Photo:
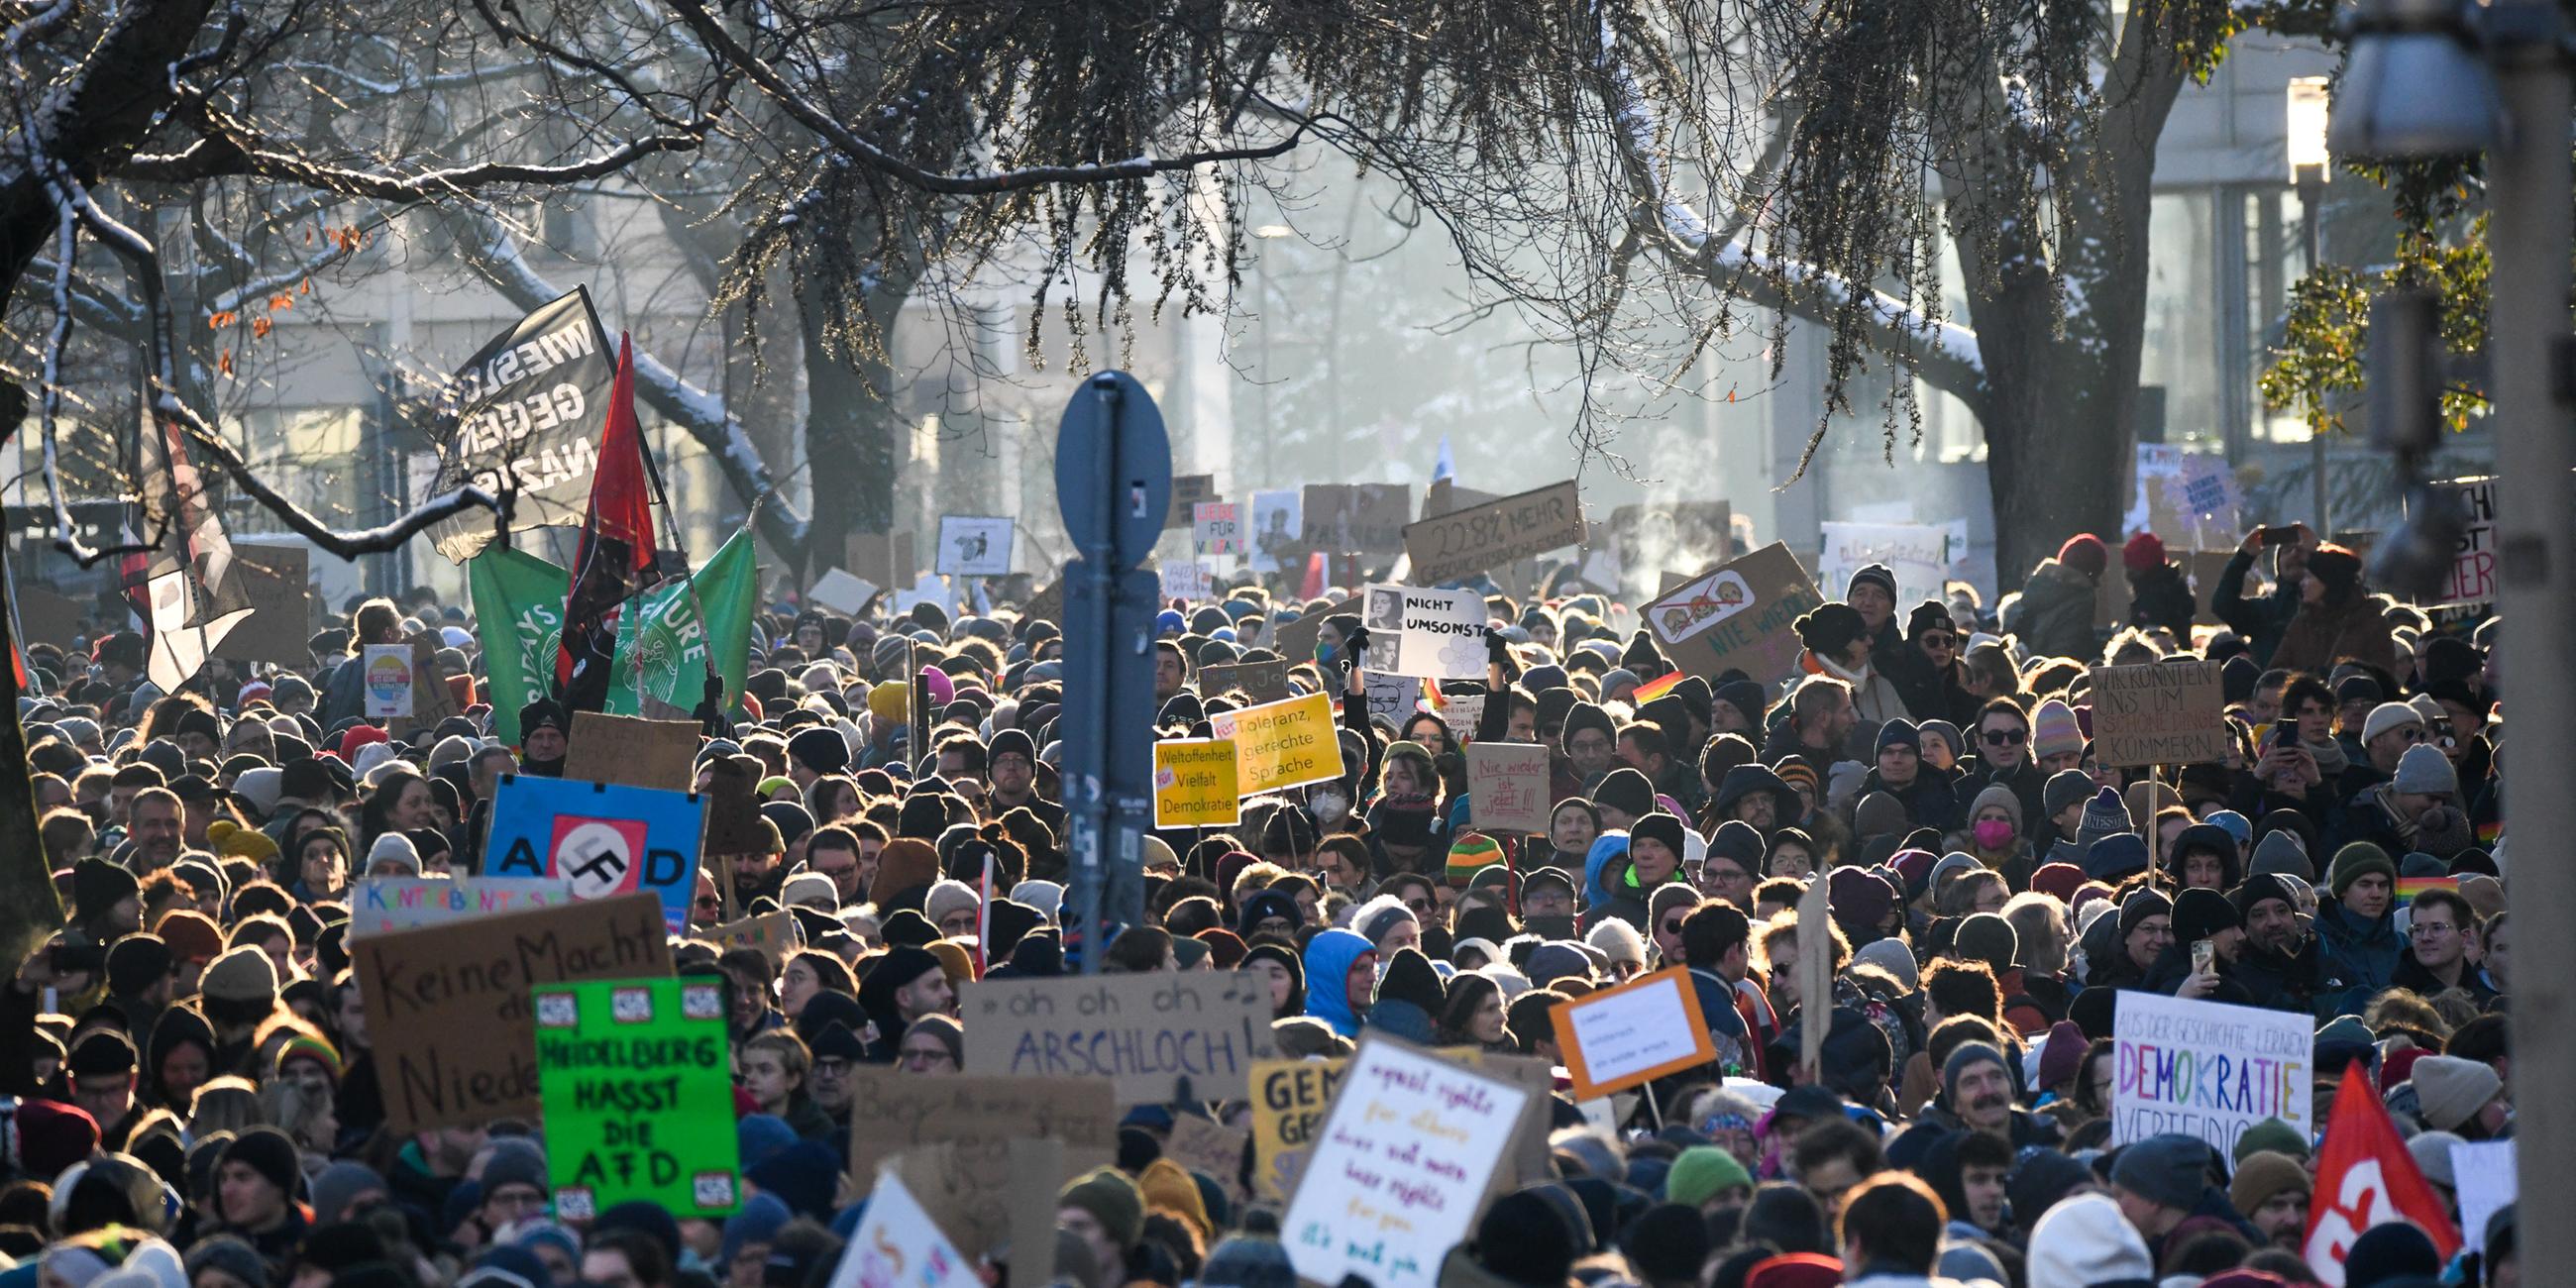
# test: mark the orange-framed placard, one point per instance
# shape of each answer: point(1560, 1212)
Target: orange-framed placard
point(1620, 1037)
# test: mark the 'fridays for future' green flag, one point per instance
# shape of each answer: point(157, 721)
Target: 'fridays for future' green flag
point(662, 646)
point(519, 608)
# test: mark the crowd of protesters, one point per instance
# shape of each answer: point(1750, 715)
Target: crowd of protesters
point(193, 1100)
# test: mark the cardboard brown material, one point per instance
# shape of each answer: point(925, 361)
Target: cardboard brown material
point(1741, 615)
point(1483, 537)
point(633, 751)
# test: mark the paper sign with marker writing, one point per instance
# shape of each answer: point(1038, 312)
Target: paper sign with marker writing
point(2486, 1182)
point(898, 1245)
point(1281, 744)
point(1400, 1171)
point(1438, 634)
point(1740, 615)
point(1195, 783)
point(1146, 1032)
point(1289, 1098)
point(775, 934)
point(638, 1090)
point(1918, 554)
point(1635, 1033)
point(973, 546)
point(2158, 713)
point(1215, 529)
point(381, 904)
point(1507, 786)
point(892, 1111)
point(1190, 579)
point(2207, 1069)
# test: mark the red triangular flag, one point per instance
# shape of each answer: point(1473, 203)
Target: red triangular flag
point(1314, 587)
point(616, 559)
point(2367, 1178)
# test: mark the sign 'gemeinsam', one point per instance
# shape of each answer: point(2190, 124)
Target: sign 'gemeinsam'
point(1145, 1032)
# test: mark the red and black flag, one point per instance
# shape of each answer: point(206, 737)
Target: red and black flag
point(616, 559)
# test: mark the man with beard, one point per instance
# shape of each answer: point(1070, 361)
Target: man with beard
point(544, 735)
point(2271, 1192)
point(1820, 721)
point(2277, 964)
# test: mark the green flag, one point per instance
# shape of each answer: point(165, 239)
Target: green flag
point(663, 647)
point(519, 609)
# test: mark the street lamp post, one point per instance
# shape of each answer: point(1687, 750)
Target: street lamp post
point(2430, 79)
point(2310, 166)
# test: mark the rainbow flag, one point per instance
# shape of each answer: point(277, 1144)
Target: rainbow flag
point(2409, 887)
point(1654, 689)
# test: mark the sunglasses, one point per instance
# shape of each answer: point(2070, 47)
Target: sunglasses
point(1939, 641)
point(2004, 737)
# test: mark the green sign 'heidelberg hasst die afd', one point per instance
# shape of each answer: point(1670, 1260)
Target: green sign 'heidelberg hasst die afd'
point(638, 1096)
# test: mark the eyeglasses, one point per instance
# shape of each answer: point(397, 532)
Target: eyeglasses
point(1418, 904)
point(2422, 929)
point(1937, 640)
point(2004, 737)
point(1673, 927)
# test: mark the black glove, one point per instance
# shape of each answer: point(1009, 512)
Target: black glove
point(1355, 645)
point(1497, 649)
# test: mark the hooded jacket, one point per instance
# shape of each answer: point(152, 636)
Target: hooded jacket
point(2161, 596)
point(2259, 620)
point(2318, 636)
point(2054, 616)
point(1329, 956)
point(2356, 959)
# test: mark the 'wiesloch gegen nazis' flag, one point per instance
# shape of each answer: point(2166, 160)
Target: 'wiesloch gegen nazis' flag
point(524, 415)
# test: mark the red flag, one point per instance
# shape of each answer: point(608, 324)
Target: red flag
point(615, 560)
point(2367, 1178)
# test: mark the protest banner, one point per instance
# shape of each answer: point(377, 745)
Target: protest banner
point(2472, 580)
point(1919, 556)
point(1635, 1033)
point(1478, 538)
point(670, 638)
point(892, 1112)
point(1190, 579)
point(1259, 681)
point(388, 680)
point(1434, 634)
point(899, 1245)
point(1288, 1102)
point(1298, 639)
point(1741, 615)
point(841, 592)
point(378, 905)
point(1507, 787)
point(1368, 518)
point(522, 417)
point(973, 546)
point(638, 1094)
point(1400, 1170)
point(607, 839)
point(278, 582)
point(775, 934)
point(447, 1005)
point(2158, 713)
point(1390, 697)
point(1215, 528)
point(2207, 1069)
point(1281, 744)
point(632, 751)
point(1278, 530)
point(1146, 1032)
point(1195, 783)
point(1188, 490)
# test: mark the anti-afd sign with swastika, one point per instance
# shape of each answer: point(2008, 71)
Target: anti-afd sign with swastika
point(605, 838)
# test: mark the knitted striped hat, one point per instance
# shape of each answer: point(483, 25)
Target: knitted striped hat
point(1470, 852)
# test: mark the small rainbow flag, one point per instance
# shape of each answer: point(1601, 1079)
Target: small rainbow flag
point(2409, 887)
point(1654, 689)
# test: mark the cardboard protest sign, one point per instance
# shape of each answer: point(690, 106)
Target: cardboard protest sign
point(2158, 713)
point(775, 934)
point(881, 557)
point(1209, 1148)
point(1463, 713)
point(1435, 634)
point(1635, 1033)
point(987, 1214)
point(1195, 781)
point(1281, 744)
point(388, 680)
point(1188, 490)
point(431, 699)
point(378, 905)
point(892, 1112)
point(1259, 681)
point(606, 839)
point(2207, 1069)
point(841, 592)
point(1507, 786)
point(638, 1093)
point(1525, 1162)
point(973, 546)
point(1918, 554)
point(899, 1245)
point(2472, 580)
point(1401, 1168)
point(1215, 528)
point(1472, 540)
point(632, 751)
point(1145, 1032)
point(1741, 615)
point(1364, 517)
point(1288, 1102)
point(733, 812)
point(447, 1005)
point(1297, 639)
point(278, 582)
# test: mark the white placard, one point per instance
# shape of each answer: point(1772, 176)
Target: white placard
point(1624, 1032)
point(1391, 697)
point(971, 546)
point(1215, 528)
point(1188, 579)
point(842, 592)
point(1398, 1169)
point(1278, 528)
point(2486, 1182)
point(898, 1245)
point(388, 680)
point(1918, 554)
point(378, 905)
point(2207, 1069)
point(1437, 634)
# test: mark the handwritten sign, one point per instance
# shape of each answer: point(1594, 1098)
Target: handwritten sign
point(1469, 541)
point(448, 1010)
point(1391, 697)
point(1259, 681)
point(1194, 783)
point(973, 546)
point(1438, 634)
point(1214, 528)
point(2158, 713)
point(775, 934)
point(1145, 1032)
point(2207, 1069)
point(2486, 1182)
point(381, 904)
point(1919, 556)
point(892, 1112)
point(1281, 744)
point(1341, 518)
point(638, 1091)
point(1187, 579)
point(388, 680)
point(1402, 1164)
point(1188, 490)
point(1507, 786)
point(1619, 1037)
point(2473, 563)
point(633, 751)
point(1741, 615)
point(1288, 1102)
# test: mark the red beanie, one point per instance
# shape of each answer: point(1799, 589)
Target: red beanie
point(52, 1136)
point(355, 737)
point(2145, 551)
point(2084, 552)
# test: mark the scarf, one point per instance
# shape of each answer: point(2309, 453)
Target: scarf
point(2329, 755)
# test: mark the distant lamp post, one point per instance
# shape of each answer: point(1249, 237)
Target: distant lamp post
point(2304, 123)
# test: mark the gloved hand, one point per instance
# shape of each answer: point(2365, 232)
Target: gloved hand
point(1497, 649)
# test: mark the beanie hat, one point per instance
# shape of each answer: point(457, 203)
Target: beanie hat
point(2199, 913)
point(1472, 852)
point(1879, 814)
point(2054, 730)
point(2354, 860)
point(2168, 1169)
point(1988, 938)
point(244, 974)
point(191, 935)
point(2105, 815)
point(1899, 732)
point(1532, 1235)
point(137, 962)
point(1962, 1057)
point(2115, 856)
point(2394, 1253)
point(1891, 956)
point(2338, 567)
point(102, 1050)
point(1830, 629)
point(1244, 1261)
point(2143, 553)
point(230, 1255)
point(2061, 1056)
point(1616, 939)
point(2085, 1240)
point(98, 885)
point(2451, 1090)
point(267, 1151)
point(2425, 771)
point(2272, 1135)
point(52, 1136)
point(1166, 1184)
point(2387, 716)
point(2085, 553)
point(339, 1186)
point(1998, 794)
point(1660, 827)
point(2064, 788)
point(2281, 853)
point(2142, 903)
point(1701, 1173)
point(2059, 881)
point(1627, 791)
point(2262, 1174)
point(1111, 1199)
point(1876, 574)
point(2432, 1153)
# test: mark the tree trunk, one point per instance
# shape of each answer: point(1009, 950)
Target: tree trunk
point(851, 422)
point(30, 910)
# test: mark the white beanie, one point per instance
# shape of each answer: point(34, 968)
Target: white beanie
point(452, 749)
point(260, 786)
point(1045, 896)
point(1619, 941)
point(394, 847)
point(948, 896)
point(2085, 1240)
point(372, 755)
point(810, 890)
